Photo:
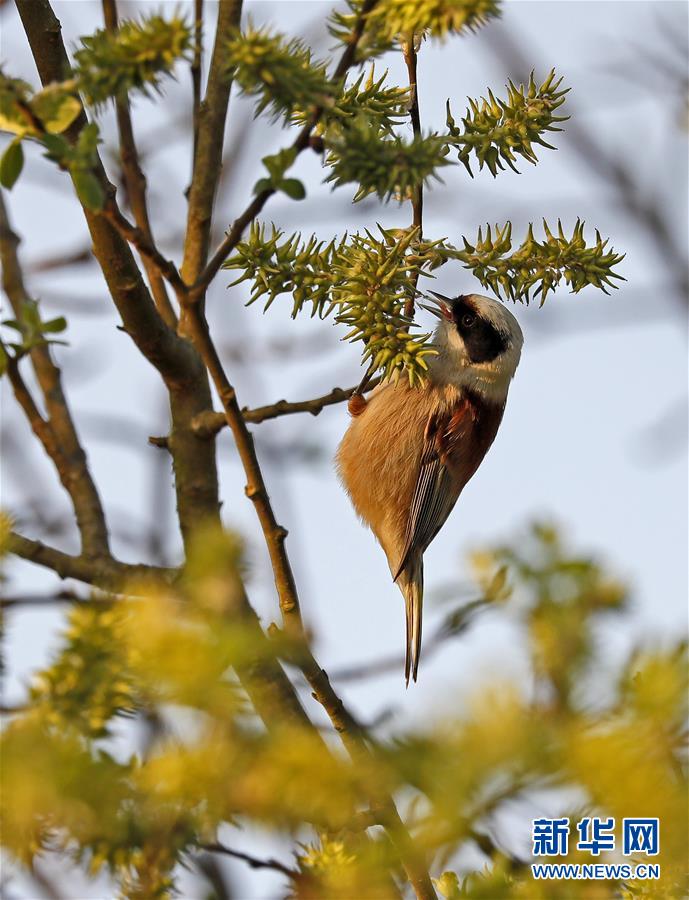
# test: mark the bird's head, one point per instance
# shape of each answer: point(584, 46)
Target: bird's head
point(479, 343)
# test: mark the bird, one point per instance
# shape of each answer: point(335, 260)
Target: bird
point(409, 451)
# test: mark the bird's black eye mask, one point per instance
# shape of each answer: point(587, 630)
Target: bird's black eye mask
point(481, 339)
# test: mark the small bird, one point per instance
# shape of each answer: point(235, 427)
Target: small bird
point(409, 452)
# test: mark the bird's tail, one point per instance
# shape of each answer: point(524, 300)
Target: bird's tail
point(411, 585)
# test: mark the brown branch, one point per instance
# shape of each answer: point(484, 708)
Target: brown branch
point(255, 486)
point(135, 181)
point(276, 697)
point(33, 601)
point(302, 142)
point(209, 423)
point(383, 808)
point(353, 735)
point(410, 58)
point(158, 343)
point(58, 435)
point(141, 238)
point(253, 861)
point(212, 115)
point(12, 709)
point(194, 462)
point(100, 571)
point(70, 469)
point(195, 67)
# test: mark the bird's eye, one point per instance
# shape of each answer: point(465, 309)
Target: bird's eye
point(468, 320)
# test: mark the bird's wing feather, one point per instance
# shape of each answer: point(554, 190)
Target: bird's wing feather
point(435, 493)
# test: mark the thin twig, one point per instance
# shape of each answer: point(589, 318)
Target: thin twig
point(143, 242)
point(31, 601)
point(12, 709)
point(105, 571)
point(135, 181)
point(353, 735)
point(256, 490)
point(302, 142)
point(410, 58)
point(209, 423)
point(196, 64)
point(252, 861)
point(58, 434)
point(212, 116)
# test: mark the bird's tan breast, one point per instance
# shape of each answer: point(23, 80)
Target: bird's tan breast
point(380, 454)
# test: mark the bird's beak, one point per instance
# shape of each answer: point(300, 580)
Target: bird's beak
point(442, 307)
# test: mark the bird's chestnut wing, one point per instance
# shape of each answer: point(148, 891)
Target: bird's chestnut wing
point(436, 491)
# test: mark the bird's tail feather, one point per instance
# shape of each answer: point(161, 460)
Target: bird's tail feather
point(412, 588)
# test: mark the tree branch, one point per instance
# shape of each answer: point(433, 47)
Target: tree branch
point(209, 423)
point(410, 58)
point(196, 64)
point(253, 861)
point(141, 238)
point(302, 142)
point(274, 534)
point(194, 463)
point(58, 435)
point(100, 571)
point(135, 181)
point(353, 735)
point(212, 115)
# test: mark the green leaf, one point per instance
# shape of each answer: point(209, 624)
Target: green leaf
point(278, 163)
point(133, 58)
point(57, 147)
point(14, 97)
point(54, 326)
point(89, 190)
point(293, 188)
point(11, 164)
point(263, 184)
point(4, 360)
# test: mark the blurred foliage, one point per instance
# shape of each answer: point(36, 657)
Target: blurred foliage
point(391, 21)
point(133, 58)
point(32, 330)
point(279, 71)
point(615, 734)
